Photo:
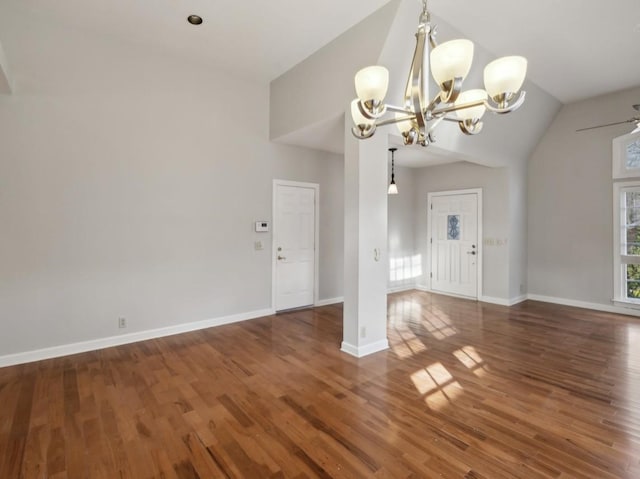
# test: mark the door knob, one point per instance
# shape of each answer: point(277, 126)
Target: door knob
point(281, 257)
point(471, 252)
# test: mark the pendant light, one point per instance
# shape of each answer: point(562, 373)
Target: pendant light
point(393, 189)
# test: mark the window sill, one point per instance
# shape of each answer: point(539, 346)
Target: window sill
point(624, 303)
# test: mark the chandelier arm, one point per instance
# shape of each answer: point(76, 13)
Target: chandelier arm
point(470, 127)
point(452, 89)
point(413, 95)
point(371, 115)
point(398, 109)
point(435, 124)
point(363, 133)
point(392, 121)
point(432, 36)
point(433, 105)
point(462, 106)
point(514, 106)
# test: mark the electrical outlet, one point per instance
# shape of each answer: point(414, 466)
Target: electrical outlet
point(363, 332)
point(122, 323)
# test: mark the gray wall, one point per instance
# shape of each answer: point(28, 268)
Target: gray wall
point(517, 240)
point(129, 184)
point(570, 201)
point(494, 184)
point(404, 264)
point(318, 88)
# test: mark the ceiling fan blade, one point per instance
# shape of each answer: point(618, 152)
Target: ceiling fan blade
point(608, 124)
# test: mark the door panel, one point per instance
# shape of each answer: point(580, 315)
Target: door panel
point(454, 244)
point(294, 237)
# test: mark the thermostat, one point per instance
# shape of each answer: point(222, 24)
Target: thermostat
point(262, 226)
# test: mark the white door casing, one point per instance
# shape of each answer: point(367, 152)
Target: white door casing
point(295, 239)
point(454, 219)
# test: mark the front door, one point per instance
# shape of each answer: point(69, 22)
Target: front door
point(454, 243)
point(294, 241)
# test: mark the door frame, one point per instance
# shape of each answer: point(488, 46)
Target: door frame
point(274, 253)
point(478, 192)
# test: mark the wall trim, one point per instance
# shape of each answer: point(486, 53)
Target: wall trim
point(518, 299)
point(327, 302)
point(422, 287)
point(502, 301)
point(361, 351)
point(585, 305)
point(96, 344)
point(492, 300)
point(400, 289)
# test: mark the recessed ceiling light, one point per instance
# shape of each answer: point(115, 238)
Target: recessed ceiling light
point(194, 19)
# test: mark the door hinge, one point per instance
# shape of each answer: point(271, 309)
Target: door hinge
point(430, 275)
point(431, 205)
point(431, 240)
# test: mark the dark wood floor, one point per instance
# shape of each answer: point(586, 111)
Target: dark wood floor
point(467, 390)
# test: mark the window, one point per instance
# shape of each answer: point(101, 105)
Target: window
point(626, 234)
point(632, 159)
point(627, 243)
point(626, 156)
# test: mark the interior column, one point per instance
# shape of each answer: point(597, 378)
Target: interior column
point(365, 243)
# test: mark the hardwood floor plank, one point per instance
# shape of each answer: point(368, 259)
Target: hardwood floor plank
point(466, 390)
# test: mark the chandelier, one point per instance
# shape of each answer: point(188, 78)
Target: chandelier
point(449, 63)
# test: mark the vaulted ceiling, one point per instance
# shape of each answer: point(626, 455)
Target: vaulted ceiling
point(576, 49)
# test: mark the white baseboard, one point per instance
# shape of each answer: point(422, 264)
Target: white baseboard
point(361, 351)
point(586, 305)
point(400, 289)
point(422, 287)
point(492, 300)
point(517, 300)
point(95, 344)
point(327, 302)
point(502, 301)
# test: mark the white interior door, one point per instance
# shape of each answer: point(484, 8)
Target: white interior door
point(294, 242)
point(454, 244)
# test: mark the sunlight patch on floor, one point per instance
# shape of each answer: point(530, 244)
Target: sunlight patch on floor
point(408, 345)
point(437, 385)
point(447, 395)
point(472, 360)
point(438, 324)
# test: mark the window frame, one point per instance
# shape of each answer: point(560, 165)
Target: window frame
point(620, 260)
point(620, 145)
point(631, 182)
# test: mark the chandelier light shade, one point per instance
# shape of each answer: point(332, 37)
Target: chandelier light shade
point(471, 96)
point(449, 63)
point(450, 60)
point(393, 188)
point(505, 75)
point(403, 122)
point(372, 83)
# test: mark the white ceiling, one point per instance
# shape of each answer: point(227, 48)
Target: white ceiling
point(576, 48)
point(252, 38)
